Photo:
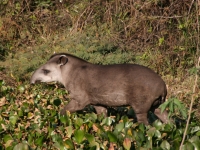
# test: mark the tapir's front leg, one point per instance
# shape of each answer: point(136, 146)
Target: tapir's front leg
point(74, 106)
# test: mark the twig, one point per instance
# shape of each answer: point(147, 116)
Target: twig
point(190, 7)
point(190, 110)
point(196, 78)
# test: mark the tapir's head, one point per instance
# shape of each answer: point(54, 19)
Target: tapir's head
point(51, 71)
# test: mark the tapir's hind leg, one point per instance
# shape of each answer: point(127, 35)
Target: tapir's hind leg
point(163, 116)
point(141, 112)
point(101, 110)
point(142, 118)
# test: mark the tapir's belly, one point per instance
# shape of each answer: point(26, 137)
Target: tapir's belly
point(109, 99)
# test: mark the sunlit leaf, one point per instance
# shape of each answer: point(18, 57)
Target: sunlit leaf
point(21, 89)
point(7, 137)
point(107, 121)
point(79, 135)
point(188, 146)
point(21, 146)
point(195, 140)
point(119, 127)
point(151, 132)
point(13, 119)
point(78, 122)
point(165, 145)
point(69, 144)
point(157, 124)
point(195, 129)
point(69, 131)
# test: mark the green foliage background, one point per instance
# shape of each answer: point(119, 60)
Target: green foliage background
point(160, 34)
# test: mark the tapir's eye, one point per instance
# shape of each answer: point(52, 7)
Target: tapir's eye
point(46, 71)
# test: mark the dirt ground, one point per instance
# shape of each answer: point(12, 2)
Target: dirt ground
point(9, 80)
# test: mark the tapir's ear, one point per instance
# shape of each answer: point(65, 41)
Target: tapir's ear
point(63, 60)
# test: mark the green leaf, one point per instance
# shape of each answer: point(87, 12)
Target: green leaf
point(142, 127)
point(21, 146)
point(7, 137)
point(195, 142)
point(157, 134)
point(69, 131)
point(177, 102)
point(20, 113)
point(188, 146)
point(65, 119)
point(8, 141)
point(79, 135)
point(39, 141)
point(56, 138)
point(89, 137)
point(183, 112)
point(59, 145)
point(164, 105)
point(78, 122)
point(195, 129)
point(21, 88)
point(13, 119)
point(157, 124)
point(119, 127)
point(90, 117)
point(151, 132)
point(198, 133)
point(128, 124)
point(141, 136)
point(171, 107)
point(69, 144)
point(30, 138)
point(107, 121)
point(165, 145)
point(168, 128)
point(111, 136)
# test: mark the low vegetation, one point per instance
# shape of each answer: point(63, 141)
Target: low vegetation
point(30, 120)
point(160, 34)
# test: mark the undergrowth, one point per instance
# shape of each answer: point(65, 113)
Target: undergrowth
point(160, 34)
point(29, 120)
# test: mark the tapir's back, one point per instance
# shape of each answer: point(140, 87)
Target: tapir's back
point(119, 84)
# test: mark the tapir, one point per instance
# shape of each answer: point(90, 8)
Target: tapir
point(105, 85)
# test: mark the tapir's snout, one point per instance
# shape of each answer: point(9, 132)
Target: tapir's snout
point(35, 79)
point(32, 81)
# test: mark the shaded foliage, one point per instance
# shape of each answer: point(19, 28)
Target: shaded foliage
point(161, 34)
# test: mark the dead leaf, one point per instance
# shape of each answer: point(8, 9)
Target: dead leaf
point(2, 101)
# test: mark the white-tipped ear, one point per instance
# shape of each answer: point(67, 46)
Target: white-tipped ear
point(62, 60)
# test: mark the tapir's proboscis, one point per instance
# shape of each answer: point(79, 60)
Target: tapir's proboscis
point(105, 85)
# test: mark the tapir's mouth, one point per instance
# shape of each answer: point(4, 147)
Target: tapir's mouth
point(40, 81)
point(52, 82)
point(35, 82)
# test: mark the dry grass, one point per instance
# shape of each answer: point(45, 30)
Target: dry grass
point(161, 34)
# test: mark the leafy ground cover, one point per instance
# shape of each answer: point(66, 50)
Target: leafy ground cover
point(161, 34)
point(30, 120)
